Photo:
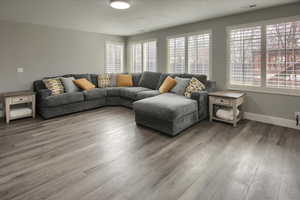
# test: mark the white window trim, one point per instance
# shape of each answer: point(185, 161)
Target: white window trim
point(262, 88)
point(123, 52)
point(186, 35)
point(130, 44)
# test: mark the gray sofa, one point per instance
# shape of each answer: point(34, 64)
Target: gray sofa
point(168, 113)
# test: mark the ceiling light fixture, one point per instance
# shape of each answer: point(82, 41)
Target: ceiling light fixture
point(120, 4)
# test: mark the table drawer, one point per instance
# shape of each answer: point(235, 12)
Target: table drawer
point(222, 101)
point(21, 99)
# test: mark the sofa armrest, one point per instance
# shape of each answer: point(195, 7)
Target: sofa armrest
point(211, 86)
point(43, 94)
point(202, 101)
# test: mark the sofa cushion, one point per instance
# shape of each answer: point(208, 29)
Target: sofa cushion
point(131, 92)
point(96, 93)
point(149, 80)
point(62, 99)
point(113, 91)
point(167, 106)
point(162, 78)
point(194, 86)
point(147, 94)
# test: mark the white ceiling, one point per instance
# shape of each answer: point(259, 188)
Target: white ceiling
point(143, 16)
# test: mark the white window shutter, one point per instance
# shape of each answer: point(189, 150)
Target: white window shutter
point(283, 55)
point(136, 56)
point(114, 57)
point(149, 56)
point(176, 54)
point(245, 56)
point(198, 54)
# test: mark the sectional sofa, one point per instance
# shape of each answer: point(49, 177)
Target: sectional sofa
point(169, 113)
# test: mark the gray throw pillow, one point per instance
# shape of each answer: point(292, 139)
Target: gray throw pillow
point(181, 84)
point(69, 84)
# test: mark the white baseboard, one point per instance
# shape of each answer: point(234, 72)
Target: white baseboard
point(271, 120)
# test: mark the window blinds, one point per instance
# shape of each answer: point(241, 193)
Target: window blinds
point(283, 55)
point(149, 56)
point(114, 57)
point(245, 56)
point(176, 54)
point(198, 54)
point(137, 58)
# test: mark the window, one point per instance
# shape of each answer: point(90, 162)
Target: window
point(136, 53)
point(114, 57)
point(198, 54)
point(149, 55)
point(143, 56)
point(189, 53)
point(176, 54)
point(266, 56)
point(283, 55)
point(245, 56)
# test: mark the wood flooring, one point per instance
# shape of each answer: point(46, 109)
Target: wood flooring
point(102, 155)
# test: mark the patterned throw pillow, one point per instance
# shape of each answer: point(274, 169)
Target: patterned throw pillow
point(54, 85)
point(194, 86)
point(104, 80)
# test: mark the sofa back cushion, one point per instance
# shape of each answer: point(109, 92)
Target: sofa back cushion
point(136, 77)
point(150, 80)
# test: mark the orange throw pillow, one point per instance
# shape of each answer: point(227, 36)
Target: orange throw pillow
point(124, 80)
point(84, 84)
point(167, 85)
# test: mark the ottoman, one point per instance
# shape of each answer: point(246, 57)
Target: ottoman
point(168, 113)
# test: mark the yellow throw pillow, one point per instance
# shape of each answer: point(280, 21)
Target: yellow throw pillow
point(54, 85)
point(167, 85)
point(84, 84)
point(124, 80)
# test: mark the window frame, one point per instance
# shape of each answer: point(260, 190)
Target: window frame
point(130, 44)
point(263, 88)
point(186, 36)
point(122, 55)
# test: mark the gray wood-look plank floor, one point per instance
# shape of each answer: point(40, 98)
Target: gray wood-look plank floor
point(102, 154)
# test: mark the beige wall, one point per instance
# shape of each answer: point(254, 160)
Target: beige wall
point(267, 104)
point(46, 51)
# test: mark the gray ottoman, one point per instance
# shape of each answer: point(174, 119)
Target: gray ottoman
point(169, 113)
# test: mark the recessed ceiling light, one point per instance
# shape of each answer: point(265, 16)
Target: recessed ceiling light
point(120, 4)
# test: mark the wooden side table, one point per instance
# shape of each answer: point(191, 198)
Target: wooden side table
point(26, 105)
point(230, 99)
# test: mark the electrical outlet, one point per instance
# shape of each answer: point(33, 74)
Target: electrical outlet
point(20, 70)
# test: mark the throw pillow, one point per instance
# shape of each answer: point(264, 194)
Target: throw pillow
point(167, 85)
point(194, 86)
point(84, 84)
point(124, 80)
point(69, 84)
point(54, 85)
point(181, 85)
point(104, 80)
